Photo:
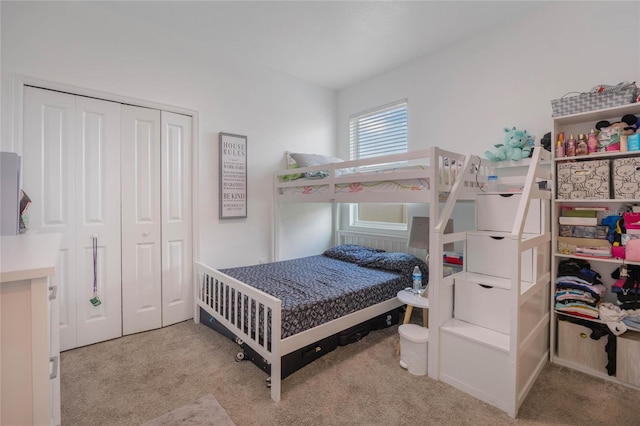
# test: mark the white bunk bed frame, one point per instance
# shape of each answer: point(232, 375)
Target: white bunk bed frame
point(459, 178)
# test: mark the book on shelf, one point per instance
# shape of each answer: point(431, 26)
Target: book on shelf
point(585, 242)
point(585, 210)
point(579, 246)
point(571, 212)
point(582, 221)
point(593, 251)
point(597, 209)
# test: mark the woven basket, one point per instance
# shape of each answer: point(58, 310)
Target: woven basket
point(591, 101)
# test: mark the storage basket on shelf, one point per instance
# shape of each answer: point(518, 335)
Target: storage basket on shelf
point(588, 180)
point(618, 95)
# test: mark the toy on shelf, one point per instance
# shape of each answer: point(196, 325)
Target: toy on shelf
point(517, 145)
point(612, 136)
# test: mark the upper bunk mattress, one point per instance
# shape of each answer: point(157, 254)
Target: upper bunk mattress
point(383, 184)
point(317, 289)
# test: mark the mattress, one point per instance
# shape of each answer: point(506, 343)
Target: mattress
point(317, 289)
point(316, 186)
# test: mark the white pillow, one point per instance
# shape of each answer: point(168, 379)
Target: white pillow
point(308, 160)
point(290, 163)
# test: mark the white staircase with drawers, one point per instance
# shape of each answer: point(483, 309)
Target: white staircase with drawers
point(495, 339)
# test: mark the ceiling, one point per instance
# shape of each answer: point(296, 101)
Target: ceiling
point(333, 44)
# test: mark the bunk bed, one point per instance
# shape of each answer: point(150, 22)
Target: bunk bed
point(255, 316)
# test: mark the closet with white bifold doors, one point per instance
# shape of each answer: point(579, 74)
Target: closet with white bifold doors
point(115, 181)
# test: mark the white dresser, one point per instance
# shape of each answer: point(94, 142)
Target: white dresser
point(29, 318)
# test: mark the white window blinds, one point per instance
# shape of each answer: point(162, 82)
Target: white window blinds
point(378, 132)
point(373, 133)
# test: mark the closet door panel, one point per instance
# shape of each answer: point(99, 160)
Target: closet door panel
point(98, 206)
point(48, 162)
point(177, 252)
point(141, 223)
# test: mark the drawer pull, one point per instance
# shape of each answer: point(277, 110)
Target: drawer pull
point(485, 286)
point(54, 372)
point(54, 292)
point(506, 195)
point(584, 335)
point(498, 238)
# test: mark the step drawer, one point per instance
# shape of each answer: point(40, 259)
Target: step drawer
point(497, 212)
point(488, 255)
point(482, 305)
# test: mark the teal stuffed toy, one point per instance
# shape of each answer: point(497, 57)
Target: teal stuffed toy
point(517, 145)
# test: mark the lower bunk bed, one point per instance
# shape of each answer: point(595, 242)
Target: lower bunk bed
point(282, 308)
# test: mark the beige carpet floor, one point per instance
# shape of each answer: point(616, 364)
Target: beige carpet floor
point(134, 379)
point(204, 412)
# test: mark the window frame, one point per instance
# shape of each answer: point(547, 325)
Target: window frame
point(354, 151)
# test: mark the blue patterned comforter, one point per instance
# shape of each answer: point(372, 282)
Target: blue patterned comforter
point(318, 289)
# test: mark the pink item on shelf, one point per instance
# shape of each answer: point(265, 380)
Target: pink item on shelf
point(632, 251)
point(618, 252)
point(632, 220)
point(613, 147)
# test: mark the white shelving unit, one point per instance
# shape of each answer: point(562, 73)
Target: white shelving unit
point(582, 353)
point(493, 326)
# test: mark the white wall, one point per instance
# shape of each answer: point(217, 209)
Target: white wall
point(459, 97)
point(462, 96)
point(84, 45)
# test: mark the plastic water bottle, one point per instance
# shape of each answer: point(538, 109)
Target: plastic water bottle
point(492, 183)
point(417, 280)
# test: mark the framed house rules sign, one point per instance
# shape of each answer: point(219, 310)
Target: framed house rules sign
point(233, 176)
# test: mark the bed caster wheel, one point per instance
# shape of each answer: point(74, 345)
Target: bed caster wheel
point(268, 382)
point(240, 356)
point(239, 341)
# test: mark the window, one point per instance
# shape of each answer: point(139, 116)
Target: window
point(373, 133)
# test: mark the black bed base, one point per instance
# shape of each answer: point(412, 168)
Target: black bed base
point(297, 359)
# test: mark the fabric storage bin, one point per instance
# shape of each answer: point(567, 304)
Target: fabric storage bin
point(583, 180)
point(482, 305)
point(577, 231)
point(626, 178)
point(618, 95)
point(414, 342)
point(496, 212)
point(576, 345)
point(628, 357)
point(486, 255)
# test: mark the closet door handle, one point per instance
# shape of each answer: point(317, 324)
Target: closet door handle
point(54, 292)
point(54, 373)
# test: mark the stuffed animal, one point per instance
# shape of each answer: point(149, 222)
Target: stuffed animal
point(517, 145)
point(609, 136)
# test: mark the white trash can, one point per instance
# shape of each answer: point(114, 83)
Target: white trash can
point(414, 341)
